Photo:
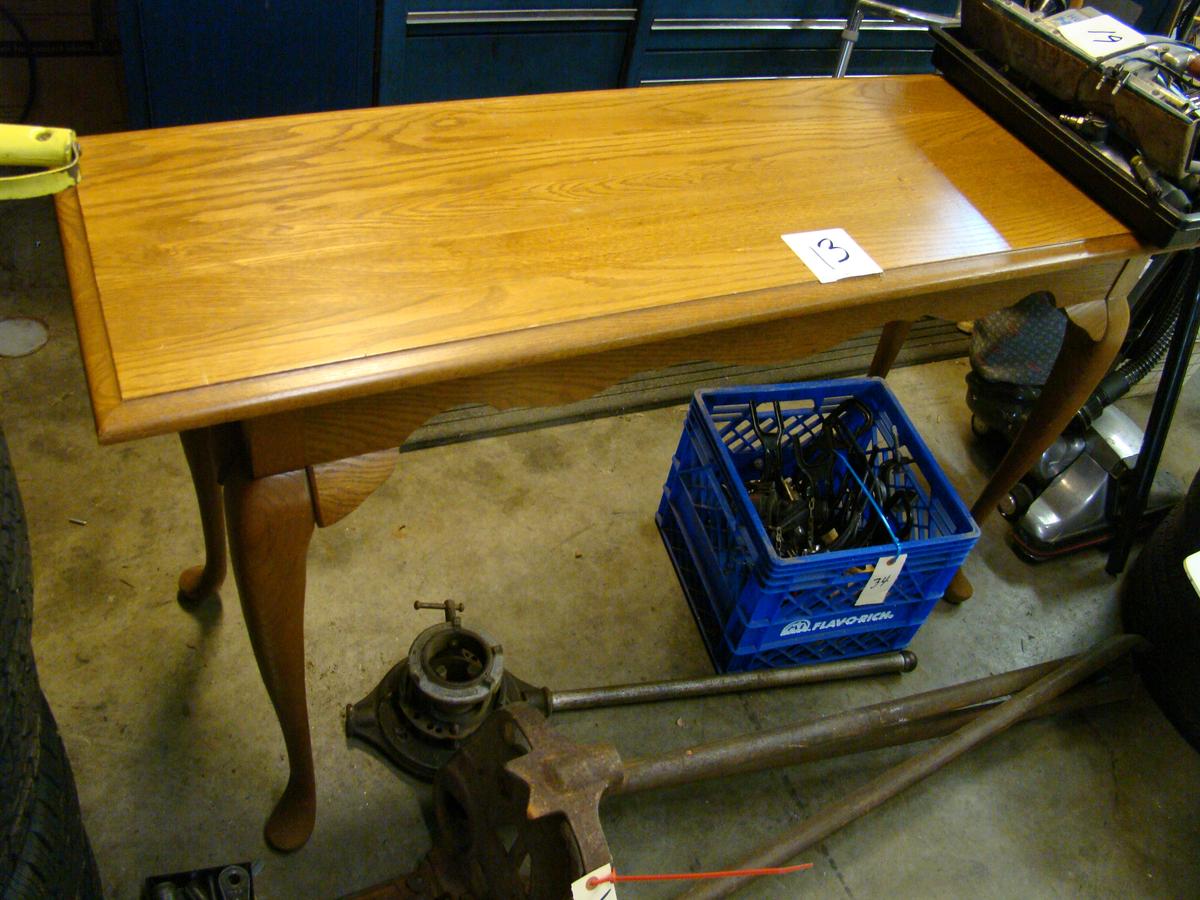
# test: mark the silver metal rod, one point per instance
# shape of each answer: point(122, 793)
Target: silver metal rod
point(655, 691)
point(887, 785)
point(903, 14)
point(510, 16)
point(778, 25)
point(849, 38)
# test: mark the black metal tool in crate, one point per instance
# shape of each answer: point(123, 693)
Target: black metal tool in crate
point(838, 494)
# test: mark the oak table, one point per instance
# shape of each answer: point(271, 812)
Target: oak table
point(294, 296)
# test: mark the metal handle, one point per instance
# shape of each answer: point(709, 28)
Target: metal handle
point(510, 16)
point(898, 14)
point(655, 691)
point(813, 24)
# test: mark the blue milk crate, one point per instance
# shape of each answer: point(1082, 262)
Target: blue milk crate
point(758, 609)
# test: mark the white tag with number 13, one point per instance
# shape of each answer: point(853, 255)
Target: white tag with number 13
point(831, 254)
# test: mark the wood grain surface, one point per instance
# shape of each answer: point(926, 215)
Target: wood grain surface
point(341, 428)
point(259, 266)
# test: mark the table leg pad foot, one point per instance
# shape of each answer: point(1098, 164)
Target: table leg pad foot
point(195, 586)
point(960, 589)
point(291, 822)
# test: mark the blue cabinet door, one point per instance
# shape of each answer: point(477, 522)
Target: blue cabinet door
point(207, 60)
point(442, 50)
point(437, 49)
point(232, 59)
point(711, 39)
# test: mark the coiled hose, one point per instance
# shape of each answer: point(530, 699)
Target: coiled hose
point(1155, 339)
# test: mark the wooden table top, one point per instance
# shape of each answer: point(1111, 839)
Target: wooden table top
point(254, 266)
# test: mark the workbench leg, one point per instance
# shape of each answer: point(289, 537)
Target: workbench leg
point(890, 341)
point(201, 582)
point(270, 524)
point(1093, 337)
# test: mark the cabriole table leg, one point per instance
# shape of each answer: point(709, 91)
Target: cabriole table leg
point(271, 521)
point(891, 340)
point(200, 582)
point(270, 524)
point(1094, 335)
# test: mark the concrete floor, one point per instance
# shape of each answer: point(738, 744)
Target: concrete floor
point(548, 537)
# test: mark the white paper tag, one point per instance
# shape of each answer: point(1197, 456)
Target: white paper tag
point(1191, 565)
point(831, 254)
point(605, 891)
point(1101, 36)
point(887, 570)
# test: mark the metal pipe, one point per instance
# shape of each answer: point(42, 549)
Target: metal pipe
point(751, 752)
point(913, 16)
point(806, 24)
point(849, 38)
point(510, 16)
point(887, 785)
point(655, 691)
point(898, 14)
point(1086, 697)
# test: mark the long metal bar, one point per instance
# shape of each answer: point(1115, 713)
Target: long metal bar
point(812, 24)
point(630, 14)
point(1085, 697)
point(751, 752)
point(509, 16)
point(654, 691)
point(904, 14)
point(887, 785)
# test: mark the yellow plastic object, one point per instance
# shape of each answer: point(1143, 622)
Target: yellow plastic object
point(54, 150)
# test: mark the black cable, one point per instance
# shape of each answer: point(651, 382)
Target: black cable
point(1146, 352)
point(30, 59)
point(1149, 340)
point(834, 497)
point(1155, 339)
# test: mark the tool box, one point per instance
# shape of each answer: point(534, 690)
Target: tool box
point(1036, 117)
point(758, 609)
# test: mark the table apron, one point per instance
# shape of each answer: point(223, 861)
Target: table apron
point(283, 442)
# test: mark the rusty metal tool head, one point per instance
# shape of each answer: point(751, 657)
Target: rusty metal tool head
point(518, 809)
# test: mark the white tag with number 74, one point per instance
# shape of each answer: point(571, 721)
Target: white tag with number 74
point(831, 254)
point(887, 570)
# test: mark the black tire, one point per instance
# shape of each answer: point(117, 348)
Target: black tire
point(55, 859)
point(20, 718)
point(1159, 602)
point(44, 851)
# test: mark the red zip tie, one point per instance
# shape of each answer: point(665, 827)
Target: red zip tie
point(612, 877)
